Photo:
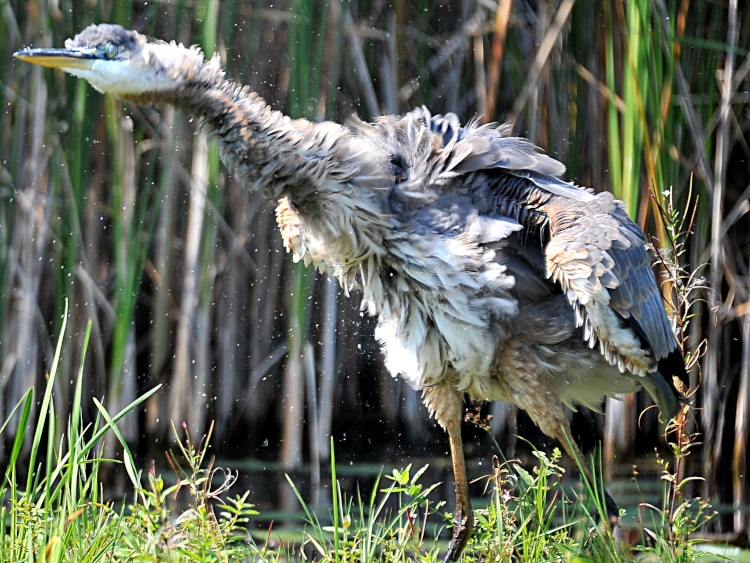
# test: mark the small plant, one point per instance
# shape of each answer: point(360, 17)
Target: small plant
point(520, 518)
point(388, 528)
point(669, 528)
point(153, 532)
point(531, 516)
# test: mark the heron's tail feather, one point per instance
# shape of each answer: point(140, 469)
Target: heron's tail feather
point(668, 399)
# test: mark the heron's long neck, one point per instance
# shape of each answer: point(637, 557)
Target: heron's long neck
point(261, 147)
point(333, 177)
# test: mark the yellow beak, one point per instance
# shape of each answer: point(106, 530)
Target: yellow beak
point(58, 58)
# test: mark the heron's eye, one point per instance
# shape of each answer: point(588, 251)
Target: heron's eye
point(110, 50)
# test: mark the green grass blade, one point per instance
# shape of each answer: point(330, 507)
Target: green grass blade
point(46, 406)
point(27, 401)
point(125, 410)
point(130, 467)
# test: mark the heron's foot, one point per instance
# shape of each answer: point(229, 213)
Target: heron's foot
point(613, 511)
point(463, 526)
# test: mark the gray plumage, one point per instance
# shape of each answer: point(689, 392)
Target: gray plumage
point(489, 275)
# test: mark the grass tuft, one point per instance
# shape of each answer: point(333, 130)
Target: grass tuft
point(528, 514)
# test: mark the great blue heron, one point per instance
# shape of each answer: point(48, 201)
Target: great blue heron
point(490, 276)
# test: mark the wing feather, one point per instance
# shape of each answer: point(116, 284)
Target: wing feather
point(480, 147)
point(559, 238)
point(593, 251)
point(600, 258)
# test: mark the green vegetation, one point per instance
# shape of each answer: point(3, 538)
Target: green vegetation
point(57, 510)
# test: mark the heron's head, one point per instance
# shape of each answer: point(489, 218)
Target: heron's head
point(120, 62)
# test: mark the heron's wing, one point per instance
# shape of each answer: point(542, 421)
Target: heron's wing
point(599, 258)
point(590, 250)
point(594, 252)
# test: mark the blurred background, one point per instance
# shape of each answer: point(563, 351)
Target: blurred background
point(126, 214)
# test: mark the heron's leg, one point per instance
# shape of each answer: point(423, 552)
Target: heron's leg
point(445, 403)
point(463, 517)
point(563, 436)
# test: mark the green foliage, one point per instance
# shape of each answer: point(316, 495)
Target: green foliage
point(152, 531)
point(58, 513)
point(388, 527)
point(532, 516)
point(519, 520)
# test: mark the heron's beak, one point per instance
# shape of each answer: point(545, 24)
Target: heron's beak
point(59, 58)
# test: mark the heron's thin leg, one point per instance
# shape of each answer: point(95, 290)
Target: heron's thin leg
point(572, 449)
point(445, 403)
point(463, 517)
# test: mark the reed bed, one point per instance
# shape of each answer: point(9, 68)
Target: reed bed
point(126, 213)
